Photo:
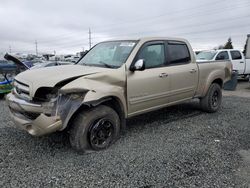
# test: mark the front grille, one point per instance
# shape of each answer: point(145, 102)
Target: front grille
point(22, 90)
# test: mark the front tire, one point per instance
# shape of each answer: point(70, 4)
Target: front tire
point(94, 129)
point(212, 101)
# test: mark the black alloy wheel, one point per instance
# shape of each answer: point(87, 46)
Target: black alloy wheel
point(101, 133)
point(215, 99)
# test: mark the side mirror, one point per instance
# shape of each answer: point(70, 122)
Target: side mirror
point(138, 66)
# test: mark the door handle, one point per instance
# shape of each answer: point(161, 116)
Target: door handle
point(163, 75)
point(192, 70)
point(241, 62)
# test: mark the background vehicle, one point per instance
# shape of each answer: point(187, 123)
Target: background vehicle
point(5, 86)
point(50, 64)
point(114, 81)
point(11, 66)
point(8, 69)
point(240, 63)
point(72, 58)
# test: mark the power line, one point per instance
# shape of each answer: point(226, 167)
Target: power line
point(218, 11)
point(141, 19)
point(170, 18)
point(187, 25)
point(152, 18)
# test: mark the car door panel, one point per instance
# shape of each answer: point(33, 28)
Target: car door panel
point(184, 72)
point(183, 81)
point(150, 88)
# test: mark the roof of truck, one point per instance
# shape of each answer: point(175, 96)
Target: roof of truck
point(149, 39)
point(220, 50)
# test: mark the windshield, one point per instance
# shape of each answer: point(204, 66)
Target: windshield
point(206, 55)
point(108, 54)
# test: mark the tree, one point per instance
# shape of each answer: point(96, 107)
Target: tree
point(228, 45)
point(219, 47)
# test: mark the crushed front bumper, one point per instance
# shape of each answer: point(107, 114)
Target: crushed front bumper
point(31, 117)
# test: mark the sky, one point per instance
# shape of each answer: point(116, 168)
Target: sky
point(62, 26)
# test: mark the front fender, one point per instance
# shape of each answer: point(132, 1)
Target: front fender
point(96, 92)
point(105, 91)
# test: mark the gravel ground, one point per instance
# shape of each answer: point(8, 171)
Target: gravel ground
point(174, 147)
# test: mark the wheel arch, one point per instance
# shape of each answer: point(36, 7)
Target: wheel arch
point(218, 81)
point(111, 101)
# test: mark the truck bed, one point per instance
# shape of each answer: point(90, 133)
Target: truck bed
point(223, 67)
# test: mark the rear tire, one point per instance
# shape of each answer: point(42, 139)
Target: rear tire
point(1, 95)
point(212, 101)
point(94, 129)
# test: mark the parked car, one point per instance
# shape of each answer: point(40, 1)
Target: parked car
point(240, 63)
point(114, 81)
point(72, 58)
point(7, 71)
point(5, 86)
point(50, 64)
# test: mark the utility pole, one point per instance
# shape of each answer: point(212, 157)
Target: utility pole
point(89, 38)
point(10, 48)
point(36, 48)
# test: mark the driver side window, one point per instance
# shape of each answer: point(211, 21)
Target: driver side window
point(153, 55)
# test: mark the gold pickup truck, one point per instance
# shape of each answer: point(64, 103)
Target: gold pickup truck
point(114, 81)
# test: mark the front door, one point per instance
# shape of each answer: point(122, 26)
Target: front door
point(150, 88)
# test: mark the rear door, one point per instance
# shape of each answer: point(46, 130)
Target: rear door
point(184, 72)
point(238, 61)
point(150, 88)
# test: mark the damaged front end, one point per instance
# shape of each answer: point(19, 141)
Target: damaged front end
point(48, 109)
point(41, 118)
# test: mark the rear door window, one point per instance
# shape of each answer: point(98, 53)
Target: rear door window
point(178, 53)
point(236, 55)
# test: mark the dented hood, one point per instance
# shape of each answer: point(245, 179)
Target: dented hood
point(50, 76)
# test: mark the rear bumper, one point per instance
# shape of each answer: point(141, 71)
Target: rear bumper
point(30, 117)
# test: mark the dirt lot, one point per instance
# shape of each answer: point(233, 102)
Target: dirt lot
point(173, 147)
point(243, 90)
